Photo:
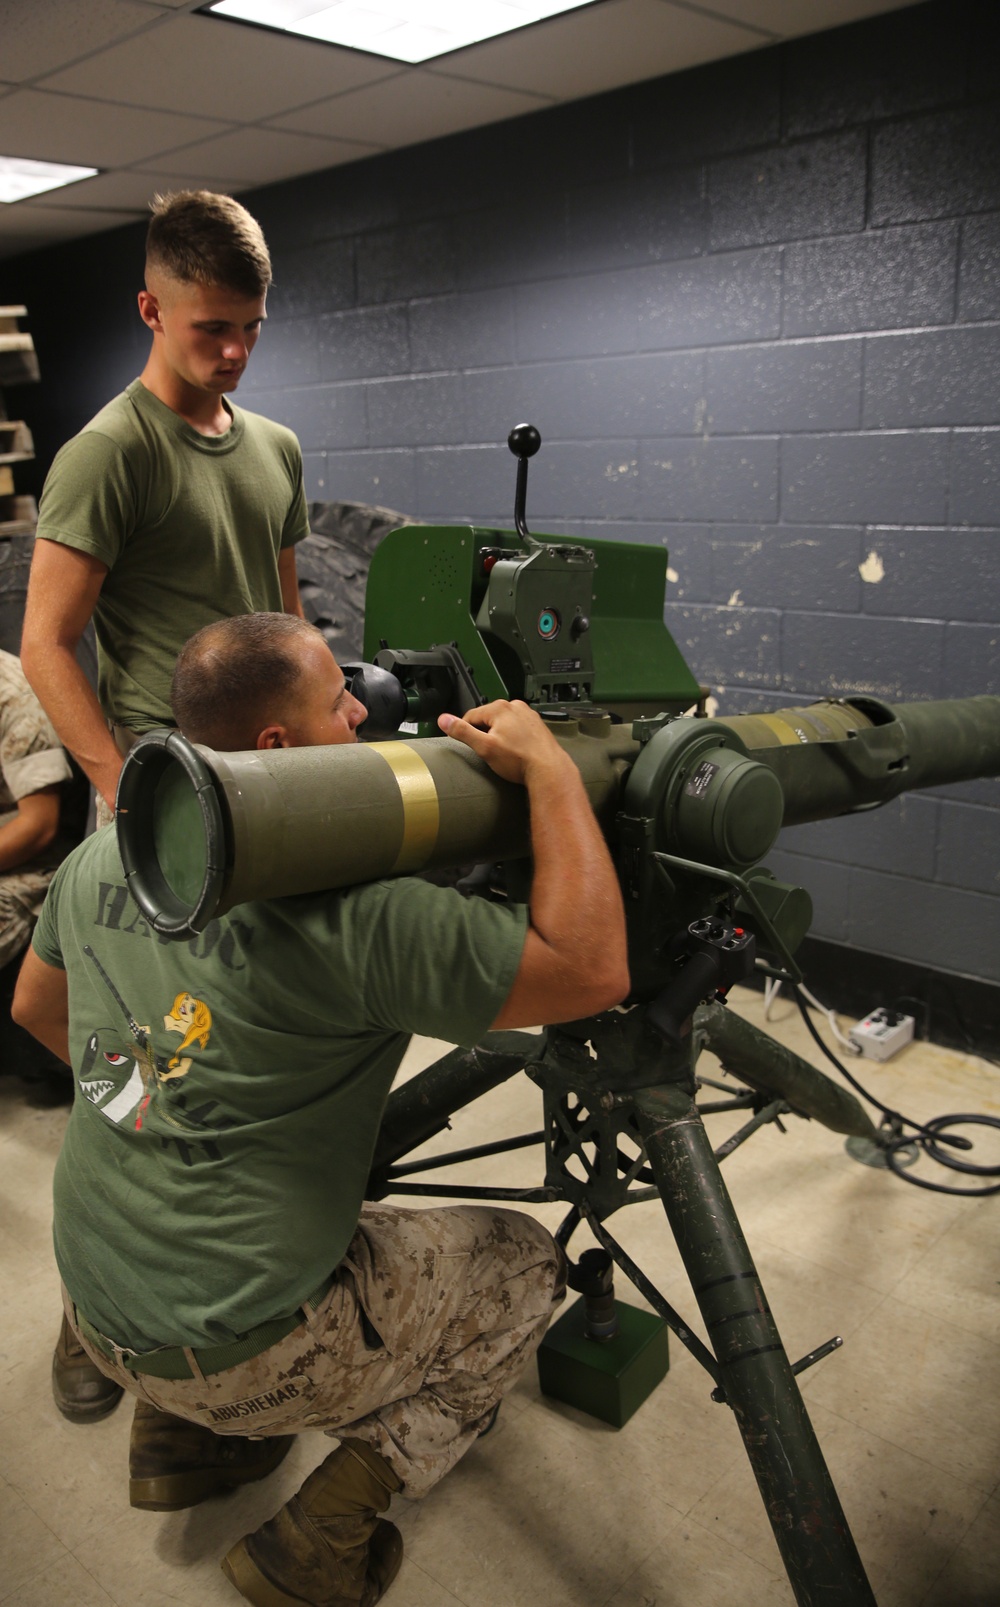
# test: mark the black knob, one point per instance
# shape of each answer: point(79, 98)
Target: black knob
point(524, 440)
point(579, 627)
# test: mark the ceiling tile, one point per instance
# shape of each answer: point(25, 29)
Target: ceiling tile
point(39, 37)
point(603, 47)
point(204, 64)
point(789, 18)
point(126, 189)
point(263, 155)
point(62, 128)
point(415, 106)
point(180, 97)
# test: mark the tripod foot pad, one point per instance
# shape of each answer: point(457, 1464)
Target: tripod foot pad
point(608, 1378)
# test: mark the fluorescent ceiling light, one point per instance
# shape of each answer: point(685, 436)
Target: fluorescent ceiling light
point(406, 30)
point(21, 177)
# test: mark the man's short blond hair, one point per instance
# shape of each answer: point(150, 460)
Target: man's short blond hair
point(202, 238)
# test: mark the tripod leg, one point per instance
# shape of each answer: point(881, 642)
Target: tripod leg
point(764, 1063)
point(816, 1545)
point(419, 1108)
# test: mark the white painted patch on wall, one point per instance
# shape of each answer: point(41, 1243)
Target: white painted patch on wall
point(872, 570)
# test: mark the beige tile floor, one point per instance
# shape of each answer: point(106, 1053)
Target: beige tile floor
point(555, 1507)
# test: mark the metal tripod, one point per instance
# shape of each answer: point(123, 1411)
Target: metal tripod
point(621, 1126)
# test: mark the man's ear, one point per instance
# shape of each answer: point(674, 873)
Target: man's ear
point(274, 736)
point(149, 311)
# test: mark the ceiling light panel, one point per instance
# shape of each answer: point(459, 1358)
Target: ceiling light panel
point(405, 30)
point(21, 177)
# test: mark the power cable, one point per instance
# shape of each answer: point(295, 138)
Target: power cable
point(927, 1136)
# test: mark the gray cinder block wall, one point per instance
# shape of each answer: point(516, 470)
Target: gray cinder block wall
point(754, 310)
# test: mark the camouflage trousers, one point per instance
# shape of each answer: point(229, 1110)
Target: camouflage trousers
point(21, 897)
point(431, 1317)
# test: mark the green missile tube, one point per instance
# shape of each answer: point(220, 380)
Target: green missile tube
point(720, 790)
point(846, 754)
point(201, 832)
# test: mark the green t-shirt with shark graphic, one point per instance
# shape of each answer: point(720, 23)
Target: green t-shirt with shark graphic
point(230, 1089)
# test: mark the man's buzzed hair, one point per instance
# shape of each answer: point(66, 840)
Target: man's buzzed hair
point(237, 676)
point(205, 239)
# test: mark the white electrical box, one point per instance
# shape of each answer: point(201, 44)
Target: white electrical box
point(881, 1034)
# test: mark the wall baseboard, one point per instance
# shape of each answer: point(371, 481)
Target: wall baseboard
point(958, 1012)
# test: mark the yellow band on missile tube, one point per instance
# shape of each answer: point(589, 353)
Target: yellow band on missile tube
point(782, 728)
point(421, 809)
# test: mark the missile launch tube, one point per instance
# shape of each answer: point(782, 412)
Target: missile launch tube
point(842, 755)
point(201, 832)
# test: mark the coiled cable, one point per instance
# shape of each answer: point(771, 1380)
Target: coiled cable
point(930, 1136)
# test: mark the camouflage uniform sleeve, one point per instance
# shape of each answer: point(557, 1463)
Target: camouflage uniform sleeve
point(30, 754)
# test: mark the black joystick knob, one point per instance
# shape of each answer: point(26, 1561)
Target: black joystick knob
point(524, 440)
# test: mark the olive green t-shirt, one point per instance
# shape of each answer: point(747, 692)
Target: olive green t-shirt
point(229, 1090)
point(189, 525)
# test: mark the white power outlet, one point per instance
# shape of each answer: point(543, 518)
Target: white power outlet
point(880, 1035)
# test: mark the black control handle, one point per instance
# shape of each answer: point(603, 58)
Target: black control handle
point(524, 441)
point(718, 954)
point(697, 980)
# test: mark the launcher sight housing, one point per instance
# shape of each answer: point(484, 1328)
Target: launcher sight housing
point(505, 614)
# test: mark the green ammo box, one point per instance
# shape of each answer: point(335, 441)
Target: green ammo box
point(609, 1378)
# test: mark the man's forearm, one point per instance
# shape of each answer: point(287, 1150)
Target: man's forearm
point(576, 904)
point(41, 1004)
point(32, 829)
point(575, 956)
point(288, 580)
point(69, 701)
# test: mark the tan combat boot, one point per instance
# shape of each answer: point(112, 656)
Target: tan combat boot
point(173, 1463)
point(327, 1547)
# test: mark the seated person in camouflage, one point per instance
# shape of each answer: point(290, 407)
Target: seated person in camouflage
point(33, 839)
point(33, 768)
point(218, 1258)
point(34, 773)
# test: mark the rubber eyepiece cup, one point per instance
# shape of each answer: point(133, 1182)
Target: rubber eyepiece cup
point(171, 834)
